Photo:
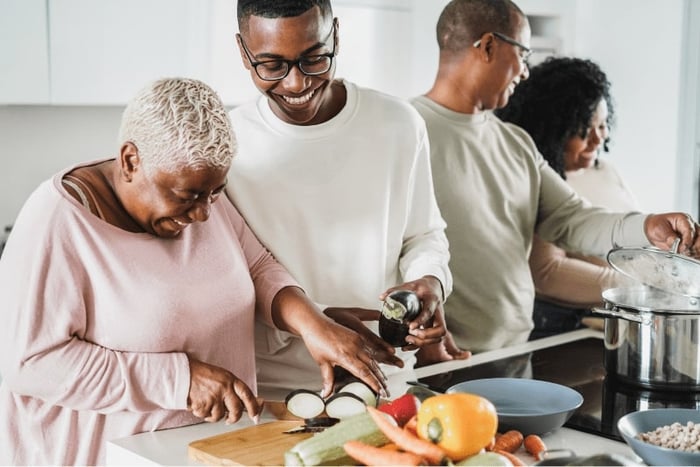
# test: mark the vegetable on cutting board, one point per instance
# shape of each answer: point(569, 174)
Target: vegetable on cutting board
point(344, 404)
point(326, 448)
point(361, 390)
point(349, 399)
point(304, 404)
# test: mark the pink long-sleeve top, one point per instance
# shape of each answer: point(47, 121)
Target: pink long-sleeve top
point(97, 324)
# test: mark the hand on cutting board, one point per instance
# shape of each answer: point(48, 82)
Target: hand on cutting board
point(663, 229)
point(331, 344)
point(216, 393)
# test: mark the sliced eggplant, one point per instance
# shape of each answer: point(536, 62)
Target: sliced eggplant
point(362, 391)
point(304, 403)
point(318, 422)
point(344, 405)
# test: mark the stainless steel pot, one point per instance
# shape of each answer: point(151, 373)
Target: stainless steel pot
point(652, 330)
point(651, 338)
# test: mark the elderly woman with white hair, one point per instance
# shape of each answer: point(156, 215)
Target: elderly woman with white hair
point(123, 311)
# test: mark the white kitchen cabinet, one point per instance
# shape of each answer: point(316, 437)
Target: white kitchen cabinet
point(24, 64)
point(228, 75)
point(375, 45)
point(103, 52)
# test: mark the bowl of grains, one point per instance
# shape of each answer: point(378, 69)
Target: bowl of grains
point(663, 436)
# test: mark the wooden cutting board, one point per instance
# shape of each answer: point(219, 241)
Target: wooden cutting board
point(263, 444)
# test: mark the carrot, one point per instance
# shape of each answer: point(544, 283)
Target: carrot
point(371, 455)
point(432, 453)
point(511, 457)
point(535, 446)
point(509, 441)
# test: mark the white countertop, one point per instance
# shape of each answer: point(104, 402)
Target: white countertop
point(169, 447)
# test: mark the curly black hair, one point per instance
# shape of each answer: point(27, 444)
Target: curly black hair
point(557, 102)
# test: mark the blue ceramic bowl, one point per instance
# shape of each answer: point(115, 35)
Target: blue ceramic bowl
point(530, 406)
point(648, 420)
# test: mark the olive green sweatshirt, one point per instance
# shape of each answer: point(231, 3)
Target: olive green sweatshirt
point(495, 191)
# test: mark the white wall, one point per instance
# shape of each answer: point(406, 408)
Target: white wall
point(638, 45)
point(38, 141)
point(637, 42)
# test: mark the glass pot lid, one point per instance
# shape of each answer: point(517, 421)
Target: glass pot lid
point(664, 270)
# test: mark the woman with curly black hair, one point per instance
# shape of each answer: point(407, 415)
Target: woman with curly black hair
point(567, 108)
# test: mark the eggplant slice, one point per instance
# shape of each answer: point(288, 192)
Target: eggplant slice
point(362, 391)
point(344, 404)
point(304, 403)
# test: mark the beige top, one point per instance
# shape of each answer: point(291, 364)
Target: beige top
point(495, 190)
point(571, 279)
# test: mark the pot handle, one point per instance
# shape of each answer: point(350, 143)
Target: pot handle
point(615, 313)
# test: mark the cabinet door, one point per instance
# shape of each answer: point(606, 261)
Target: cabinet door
point(103, 52)
point(24, 64)
point(375, 45)
point(228, 77)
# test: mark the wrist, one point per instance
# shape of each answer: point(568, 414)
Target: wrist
point(438, 288)
point(293, 311)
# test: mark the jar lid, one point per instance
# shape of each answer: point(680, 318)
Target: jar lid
point(664, 270)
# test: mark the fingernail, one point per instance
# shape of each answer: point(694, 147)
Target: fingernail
point(256, 419)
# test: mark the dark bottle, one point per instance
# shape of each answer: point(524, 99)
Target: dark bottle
point(398, 309)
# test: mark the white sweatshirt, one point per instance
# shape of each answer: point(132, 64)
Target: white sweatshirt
point(346, 205)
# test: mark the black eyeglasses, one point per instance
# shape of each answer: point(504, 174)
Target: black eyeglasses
point(526, 51)
point(278, 69)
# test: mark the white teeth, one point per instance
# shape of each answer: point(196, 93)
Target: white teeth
point(299, 100)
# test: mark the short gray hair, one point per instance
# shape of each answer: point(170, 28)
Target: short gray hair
point(176, 123)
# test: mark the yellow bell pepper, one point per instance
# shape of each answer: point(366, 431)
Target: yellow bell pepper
point(461, 424)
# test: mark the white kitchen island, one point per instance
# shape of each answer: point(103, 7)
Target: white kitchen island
point(169, 447)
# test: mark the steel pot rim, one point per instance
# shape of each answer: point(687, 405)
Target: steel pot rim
point(645, 299)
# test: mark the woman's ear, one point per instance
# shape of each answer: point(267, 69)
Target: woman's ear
point(129, 160)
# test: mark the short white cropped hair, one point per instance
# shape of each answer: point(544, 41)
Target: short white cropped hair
point(176, 123)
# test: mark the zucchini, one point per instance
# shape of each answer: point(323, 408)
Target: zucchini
point(326, 448)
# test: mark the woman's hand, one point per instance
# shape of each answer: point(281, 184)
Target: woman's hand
point(216, 393)
point(663, 229)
